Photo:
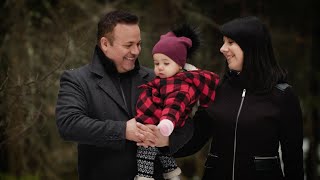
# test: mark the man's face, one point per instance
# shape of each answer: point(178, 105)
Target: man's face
point(125, 48)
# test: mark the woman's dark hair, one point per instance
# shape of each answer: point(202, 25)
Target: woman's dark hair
point(110, 20)
point(260, 68)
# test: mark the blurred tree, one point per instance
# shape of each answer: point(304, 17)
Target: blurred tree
point(312, 157)
point(37, 40)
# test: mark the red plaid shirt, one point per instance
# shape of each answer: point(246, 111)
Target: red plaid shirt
point(173, 98)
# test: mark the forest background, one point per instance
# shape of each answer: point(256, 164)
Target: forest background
point(39, 39)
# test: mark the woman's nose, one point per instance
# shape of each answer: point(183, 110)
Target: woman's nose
point(223, 48)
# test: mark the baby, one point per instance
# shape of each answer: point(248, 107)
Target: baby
point(167, 101)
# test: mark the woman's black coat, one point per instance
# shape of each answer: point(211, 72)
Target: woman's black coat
point(249, 149)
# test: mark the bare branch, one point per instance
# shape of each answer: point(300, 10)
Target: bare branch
point(46, 75)
point(21, 130)
point(4, 83)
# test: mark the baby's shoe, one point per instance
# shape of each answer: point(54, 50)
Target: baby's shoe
point(173, 175)
point(142, 178)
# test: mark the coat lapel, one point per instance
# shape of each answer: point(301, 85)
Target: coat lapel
point(105, 82)
point(107, 86)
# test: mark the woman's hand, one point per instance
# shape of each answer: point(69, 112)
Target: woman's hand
point(151, 136)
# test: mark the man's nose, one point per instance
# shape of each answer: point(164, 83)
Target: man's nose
point(135, 50)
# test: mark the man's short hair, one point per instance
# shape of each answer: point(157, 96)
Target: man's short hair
point(110, 20)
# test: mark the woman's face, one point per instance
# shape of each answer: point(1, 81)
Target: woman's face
point(233, 53)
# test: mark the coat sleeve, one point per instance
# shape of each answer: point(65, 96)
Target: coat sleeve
point(73, 121)
point(174, 105)
point(201, 135)
point(291, 136)
point(148, 106)
point(180, 136)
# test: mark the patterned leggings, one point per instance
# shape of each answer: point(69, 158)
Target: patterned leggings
point(146, 159)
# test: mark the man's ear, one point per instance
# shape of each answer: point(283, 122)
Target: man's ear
point(104, 44)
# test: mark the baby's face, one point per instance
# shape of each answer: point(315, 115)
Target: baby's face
point(164, 66)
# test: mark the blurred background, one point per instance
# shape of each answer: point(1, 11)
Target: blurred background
point(41, 38)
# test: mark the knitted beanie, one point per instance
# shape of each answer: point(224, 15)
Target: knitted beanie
point(174, 47)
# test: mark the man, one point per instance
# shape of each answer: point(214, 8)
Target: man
point(96, 103)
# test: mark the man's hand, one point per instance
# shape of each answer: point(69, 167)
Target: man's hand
point(151, 136)
point(132, 132)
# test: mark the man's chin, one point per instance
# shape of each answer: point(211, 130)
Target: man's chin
point(130, 68)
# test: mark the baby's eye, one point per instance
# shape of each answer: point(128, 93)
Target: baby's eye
point(166, 64)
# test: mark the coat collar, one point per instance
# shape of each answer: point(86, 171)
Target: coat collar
point(102, 64)
point(104, 68)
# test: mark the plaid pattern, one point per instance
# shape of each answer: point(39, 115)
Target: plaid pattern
point(173, 98)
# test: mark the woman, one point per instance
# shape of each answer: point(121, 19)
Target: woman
point(254, 112)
